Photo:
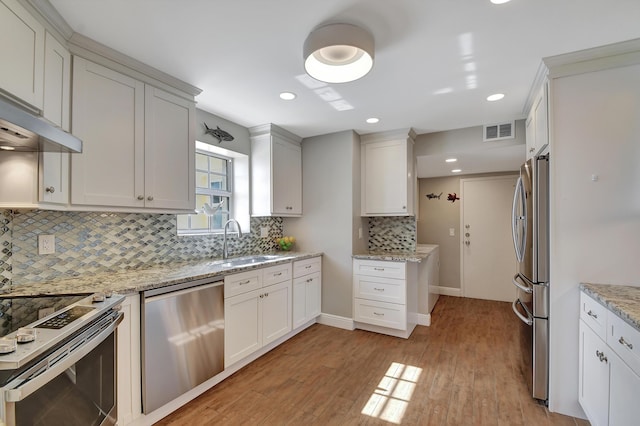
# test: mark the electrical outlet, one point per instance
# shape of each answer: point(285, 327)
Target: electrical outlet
point(264, 231)
point(46, 244)
point(452, 232)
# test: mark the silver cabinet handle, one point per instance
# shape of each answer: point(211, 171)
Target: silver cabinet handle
point(531, 149)
point(50, 189)
point(309, 280)
point(244, 282)
point(378, 269)
point(378, 289)
point(592, 314)
point(624, 342)
point(378, 314)
point(140, 197)
point(467, 243)
point(150, 198)
point(308, 267)
point(277, 274)
point(601, 356)
point(261, 296)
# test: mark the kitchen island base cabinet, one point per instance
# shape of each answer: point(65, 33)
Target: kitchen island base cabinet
point(385, 296)
point(609, 379)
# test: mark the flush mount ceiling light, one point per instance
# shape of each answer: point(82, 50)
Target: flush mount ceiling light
point(373, 120)
point(451, 160)
point(338, 53)
point(287, 96)
point(495, 97)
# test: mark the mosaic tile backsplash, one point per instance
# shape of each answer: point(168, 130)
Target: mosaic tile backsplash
point(89, 242)
point(392, 234)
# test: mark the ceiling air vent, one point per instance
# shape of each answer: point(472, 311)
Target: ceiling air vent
point(496, 132)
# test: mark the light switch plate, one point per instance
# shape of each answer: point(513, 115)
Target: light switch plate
point(46, 244)
point(452, 232)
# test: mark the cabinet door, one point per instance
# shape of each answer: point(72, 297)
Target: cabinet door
point(385, 178)
point(22, 47)
point(276, 311)
point(108, 116)
point(54, 183)
point(623, 399)
point(169, 151)
point(242, 334)
point(306, 298)
point(287, 177)
point(128, 354)
point(594, 376)
point(540, 110)
point(530, 135)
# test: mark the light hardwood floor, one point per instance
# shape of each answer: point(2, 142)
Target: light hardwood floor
point(462, 370)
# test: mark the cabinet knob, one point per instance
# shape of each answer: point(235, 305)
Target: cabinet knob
point(467, 242)
point(140, 197)
point(150, 198)
point(531, 149)
point(404, 207)
point(50, 189)
point(624, 342)
point(601, 356)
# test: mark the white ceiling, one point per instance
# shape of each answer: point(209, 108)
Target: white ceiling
point(436, 61)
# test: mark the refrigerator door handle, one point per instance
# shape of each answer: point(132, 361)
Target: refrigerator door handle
point(525, 288)
point(528, 319)
point(519, 221)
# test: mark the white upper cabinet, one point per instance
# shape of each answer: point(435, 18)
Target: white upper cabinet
point(537, 124)
point(22, 46)
point(138, 142)
point(276, 172)
point(388, 178)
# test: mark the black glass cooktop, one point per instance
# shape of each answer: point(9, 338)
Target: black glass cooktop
point(16, 312)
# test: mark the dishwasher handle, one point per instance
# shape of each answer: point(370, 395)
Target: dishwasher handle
point(179, 289)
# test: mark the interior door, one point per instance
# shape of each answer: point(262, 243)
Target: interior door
point(488, 258)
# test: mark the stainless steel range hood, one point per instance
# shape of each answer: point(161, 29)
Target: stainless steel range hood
point(26, 132)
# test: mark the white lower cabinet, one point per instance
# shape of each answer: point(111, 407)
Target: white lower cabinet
point(259, 315)
point(307, 290)
point(385, 296)
point(609, 380)
point(129, 388)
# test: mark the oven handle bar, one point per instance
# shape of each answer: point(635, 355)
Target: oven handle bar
point(20, 392)
point(528, 319)
point(525, 288)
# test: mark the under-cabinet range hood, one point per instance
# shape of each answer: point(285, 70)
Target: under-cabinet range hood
point(26, 132)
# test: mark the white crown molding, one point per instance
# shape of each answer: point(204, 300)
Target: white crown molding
point(271, 128)
point(408, 134)
point(52, 17)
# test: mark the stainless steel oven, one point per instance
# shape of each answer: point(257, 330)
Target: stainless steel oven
point(65, 373)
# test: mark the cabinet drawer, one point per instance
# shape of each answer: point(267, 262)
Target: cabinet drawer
point(242, 282)
point(593, 314)
point(381, 289)
point(276, 274)
point(380, 313)
point(307, 266)
point(379, 268)
point(624, 340)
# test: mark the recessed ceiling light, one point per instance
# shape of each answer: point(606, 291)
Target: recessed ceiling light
point(495, 97)
point(373, 120)
point(500, 1)
point(287, 96)
point(456, 171)
point(7, 148)
point(451, 160)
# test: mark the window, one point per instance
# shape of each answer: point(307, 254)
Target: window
point(214, 187)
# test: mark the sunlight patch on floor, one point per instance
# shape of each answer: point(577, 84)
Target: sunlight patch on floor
point(389, 401)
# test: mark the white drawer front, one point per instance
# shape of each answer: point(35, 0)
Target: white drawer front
point(379, 268)
point(276, 274)
point(381, 289)
point(380, 313)
point(242, 282)
point(593, 314)
point(624, 340)
point(306, 266)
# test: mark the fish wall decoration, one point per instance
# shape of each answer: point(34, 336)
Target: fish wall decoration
point(431, 196)
point(453, 197)
point(218, 133)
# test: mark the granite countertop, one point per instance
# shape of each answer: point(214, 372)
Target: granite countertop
point(423, 251)
point(623, 300)
point(137, 280)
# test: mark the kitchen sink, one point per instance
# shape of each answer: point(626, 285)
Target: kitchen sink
point(249, 260)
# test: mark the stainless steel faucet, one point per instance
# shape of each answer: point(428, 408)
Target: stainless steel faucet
point(224, 241)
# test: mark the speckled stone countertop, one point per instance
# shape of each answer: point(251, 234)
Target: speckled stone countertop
point(623, 300)
point(137, 280)
point(423, 251)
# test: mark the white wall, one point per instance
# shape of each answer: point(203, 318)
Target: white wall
point(595, 234)
point(330, 183)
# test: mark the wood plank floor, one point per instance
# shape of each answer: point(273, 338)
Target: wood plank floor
point(462, 370)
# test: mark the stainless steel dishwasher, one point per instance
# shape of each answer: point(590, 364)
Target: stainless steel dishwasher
point(183, 339)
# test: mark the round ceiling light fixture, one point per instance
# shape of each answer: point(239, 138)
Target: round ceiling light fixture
point(495, 97)
point(287, 96)
point(338, 53)
point(373, 120)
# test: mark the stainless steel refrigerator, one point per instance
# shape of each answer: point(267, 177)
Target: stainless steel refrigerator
point(530, 226)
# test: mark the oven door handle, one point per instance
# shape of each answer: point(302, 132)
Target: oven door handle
point(20, 392)
point(528, 319)
point(526, 288)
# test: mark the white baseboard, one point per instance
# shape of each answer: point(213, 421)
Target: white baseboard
point(336, 321)
point(448, 291)
point(423, 319)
